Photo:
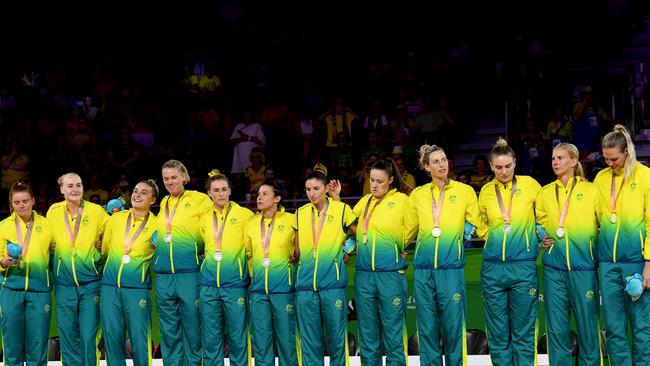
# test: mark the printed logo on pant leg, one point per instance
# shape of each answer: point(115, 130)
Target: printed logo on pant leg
point(142, 303)
point(397, 301)
point(47, 308)
point(532, 292)
point(457, 297)
point(289, 308)
point(197, 303)
point(589, 295)
point(338, 304)
point(241, 301)
point(96, 299)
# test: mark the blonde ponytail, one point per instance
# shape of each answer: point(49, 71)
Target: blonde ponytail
point(620, 139)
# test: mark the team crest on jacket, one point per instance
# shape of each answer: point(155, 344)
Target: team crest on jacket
point(187, 205)
point(452, 198)
point(38, 228)
point(330, 219)
point(633, 186)
point(391, 204)
point(233, 221)
point(281, 227)
point(580, 197)
point(85, 221)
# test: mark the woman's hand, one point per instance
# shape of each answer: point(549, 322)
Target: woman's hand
point(548, 242)
point(646, 276)
point(334, 189)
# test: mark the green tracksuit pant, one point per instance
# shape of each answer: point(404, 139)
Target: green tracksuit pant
point(177, 300)
point(122, 310)
point(25, 325)
point(619, 309)
point(77, 322)
point(566, 293)
point(323, 315)
point(224, 312)
point(510, 299)
point(440, 309)
point(381, 312)
point(273, 320)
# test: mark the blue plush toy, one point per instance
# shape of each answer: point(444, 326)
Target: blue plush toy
point(469, 230)
point(634, 286)
point(115, 205)
point(14, 250)
point(349, 246)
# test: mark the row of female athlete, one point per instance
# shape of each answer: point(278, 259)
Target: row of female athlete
point(223, 272)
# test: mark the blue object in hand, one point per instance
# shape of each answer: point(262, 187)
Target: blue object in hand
point(541, 233)
point(349, 245)
point(634, 286)
point(114, 205)
point(469, 230)
point(14, 250)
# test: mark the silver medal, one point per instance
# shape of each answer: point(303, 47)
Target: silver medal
point(168, 238)
point(613, 217)
point(126, 259)
point(436, 232)
point(218, 256)
point(507, 228)
point(560, 232)
point(266, 262)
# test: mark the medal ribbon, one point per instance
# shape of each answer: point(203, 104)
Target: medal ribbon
point(437, 209)
point(266, 238)
point(367, 216)
point(128, 243)
point(506, 214)
point(218, 231)
point(72, 236)
point(565, 210)
point(613, 196)
point(170, 217)
point(28, 235)
point(315, 234)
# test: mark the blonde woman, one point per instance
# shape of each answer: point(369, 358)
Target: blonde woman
point(624, 247)
point(569, 209)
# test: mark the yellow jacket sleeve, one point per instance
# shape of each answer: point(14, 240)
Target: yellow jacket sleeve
point(411, 221)
point(108, 236)
point(482, 228)
point(473, 214)
point(646, 244)
point(540, 210)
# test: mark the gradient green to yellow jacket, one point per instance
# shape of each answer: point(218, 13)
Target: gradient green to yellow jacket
point(34, 275)
point(386, 236)
point(81, 265)
point(321, 267)
point(625, 240)
point(136, 273)
point(458, 205)
point(521, 243)
point(181, 255)
point(232, 270)
point(280, 275)
point(576, 250)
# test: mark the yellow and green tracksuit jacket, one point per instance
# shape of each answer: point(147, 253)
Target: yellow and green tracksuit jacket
point(459, 205)
point(576, 250)
point(182, 254)
point(232, 270)
point(521, 243)
point(34, 275)
point(386, 235)
point(85, 264)
point(136, 273)
point(323, 268)
point(626, 240)
point(279, 277)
